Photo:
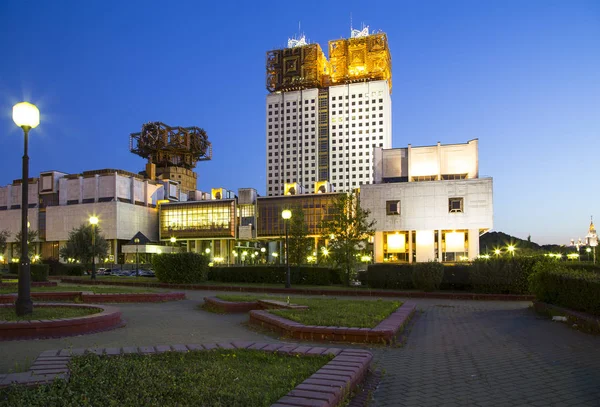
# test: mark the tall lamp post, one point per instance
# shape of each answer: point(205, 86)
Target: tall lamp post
point(137, 262)
point(93, 222)
point(286, 214)
point(27, 117)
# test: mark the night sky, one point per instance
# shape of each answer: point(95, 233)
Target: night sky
point(522, 76)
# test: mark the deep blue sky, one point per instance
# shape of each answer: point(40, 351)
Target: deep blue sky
point(522, 76)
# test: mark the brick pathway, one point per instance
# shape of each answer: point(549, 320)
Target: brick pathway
point(461, 353)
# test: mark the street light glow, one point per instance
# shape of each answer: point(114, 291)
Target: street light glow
point(173, 239)
point(497, 251)
point(26, 114)
point(286, 214)
point(511, 248)
point(207, 251)
point(93, 220)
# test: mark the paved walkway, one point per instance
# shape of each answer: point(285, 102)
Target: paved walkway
point(458, 353)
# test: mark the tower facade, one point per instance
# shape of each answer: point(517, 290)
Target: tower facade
point(324, 117)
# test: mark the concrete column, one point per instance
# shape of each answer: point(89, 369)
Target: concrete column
point(410, 246)
point(473, 243)
point(96, 187)
point(440, 246)
point(378, 247)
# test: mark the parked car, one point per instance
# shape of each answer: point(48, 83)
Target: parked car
point(147, 273)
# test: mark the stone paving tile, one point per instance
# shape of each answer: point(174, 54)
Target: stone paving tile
point(464, 353)
point(488, 354)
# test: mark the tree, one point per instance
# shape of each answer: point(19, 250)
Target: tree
point(4, 234)
point(299, 244)
point(32, 239)
point(79, 246)
point(348, 229)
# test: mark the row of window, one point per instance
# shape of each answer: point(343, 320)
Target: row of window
point(455, 205)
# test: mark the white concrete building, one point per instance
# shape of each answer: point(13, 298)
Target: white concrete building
point(292, 123)
point(428, 203)
point(125, 204)
point(360, 121)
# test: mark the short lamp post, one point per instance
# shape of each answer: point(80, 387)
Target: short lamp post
point(93, 223)
point(286, 214)
point(27, 117)
point(173, 240)
point(511, 250)
point(137, 259)
point(263, 251)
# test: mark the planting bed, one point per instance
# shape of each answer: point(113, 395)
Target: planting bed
point(108, 318)
point(324, 381)
point(368, 331)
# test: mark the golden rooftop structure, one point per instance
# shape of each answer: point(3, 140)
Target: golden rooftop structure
point(362, 57)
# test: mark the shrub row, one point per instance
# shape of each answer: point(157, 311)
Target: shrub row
point(556, 283)
point(498, 276)
point(299, 275)
point(39, 272)
point(181, 268)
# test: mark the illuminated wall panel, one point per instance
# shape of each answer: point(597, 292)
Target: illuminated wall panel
point(203, 219)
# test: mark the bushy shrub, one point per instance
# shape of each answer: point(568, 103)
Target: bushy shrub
point(70, 270)
point(181, 268)
point(457, 277)
point(395, 276)
point(61, 269)
point(555, 283)
point(299, 275)
point(427, 276)
point(584, 266)
point(39, 272)
point(502, 275)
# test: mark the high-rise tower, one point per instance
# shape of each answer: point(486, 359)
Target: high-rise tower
point(323, 117)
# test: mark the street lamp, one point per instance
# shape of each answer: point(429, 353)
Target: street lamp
point(286, 214)
point(93, 222)
point(511, 249)
point(497, 252)
point(207, 251)
point(137, 263)
point(173, 240)
point(27, 117)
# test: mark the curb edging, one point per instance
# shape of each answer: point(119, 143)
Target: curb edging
point(93, 298)
point(108, 318)
point(384, 332)
point(582, 321)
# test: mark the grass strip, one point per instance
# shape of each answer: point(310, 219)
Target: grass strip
point(329, 311)
point(8, 313)
point(99, 289)
point(217, 378)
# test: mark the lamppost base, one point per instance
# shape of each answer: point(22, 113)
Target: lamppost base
point(23, 307)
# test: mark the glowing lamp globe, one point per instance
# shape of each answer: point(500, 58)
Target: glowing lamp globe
point(26, 115)
point(286, 214)
point(93, 220)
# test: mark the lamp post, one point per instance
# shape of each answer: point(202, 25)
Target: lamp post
point(27, 117)
point(137, 262)
point(93, 222)
point(262, 251)
point(511, 249)
point(286, 214)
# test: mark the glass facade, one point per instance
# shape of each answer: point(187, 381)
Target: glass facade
point(316, 208)
point(214, 218)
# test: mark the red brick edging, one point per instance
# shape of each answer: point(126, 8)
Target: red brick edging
point(582, 321)
point(382, 333)
point(93, 298)
point(312, 291)
point(231, 306)
point(108, 318)
point(327, 387)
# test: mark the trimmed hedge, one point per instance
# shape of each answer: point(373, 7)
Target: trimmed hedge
point(399, 276)
point(39, 272)
point(427, 276)
point(62, 269)
point(299, 275)
point(503, 275)
point(556, 283)
point(181, 268)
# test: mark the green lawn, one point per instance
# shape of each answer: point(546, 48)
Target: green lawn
point(330, 311)
point(217, 378)
point(8, 313)
point(100, 289)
